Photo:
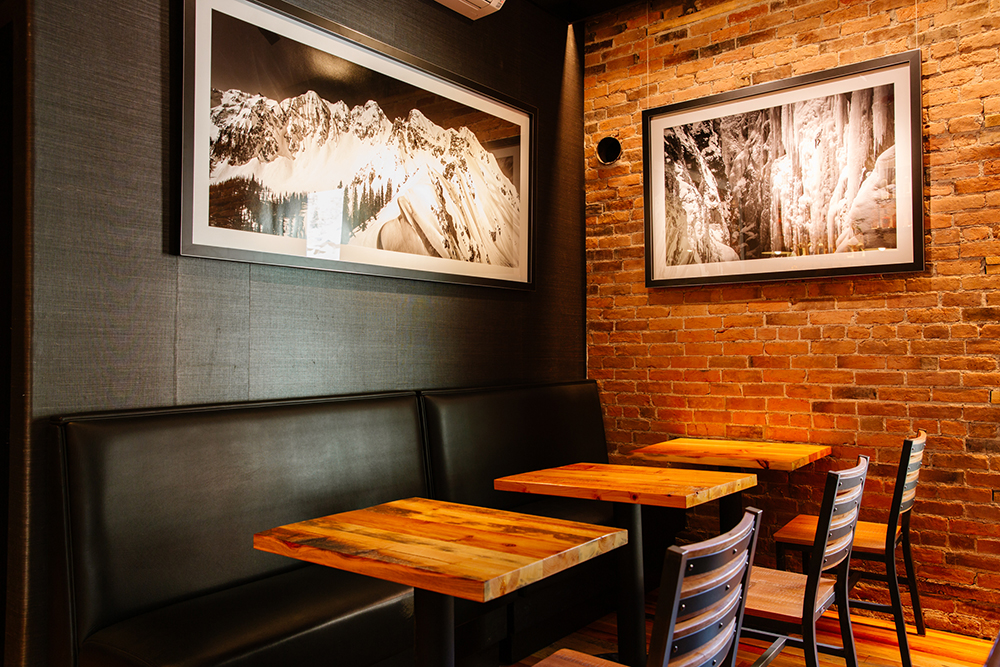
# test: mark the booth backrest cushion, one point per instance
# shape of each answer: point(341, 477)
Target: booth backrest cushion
point(163, 504)
point(476, 435)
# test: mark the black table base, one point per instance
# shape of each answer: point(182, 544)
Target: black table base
point(434, 622)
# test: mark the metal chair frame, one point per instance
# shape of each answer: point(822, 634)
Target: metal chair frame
point(831, 552)
point(994, 658)
point(903, 497)
point(691, 585)
point(700, 609)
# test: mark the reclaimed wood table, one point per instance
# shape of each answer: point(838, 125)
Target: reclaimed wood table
point(630, 487)
point(730, 454)
point(443, 550)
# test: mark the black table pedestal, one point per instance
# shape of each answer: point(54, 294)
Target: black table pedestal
point(434, 621)
point(631, 589)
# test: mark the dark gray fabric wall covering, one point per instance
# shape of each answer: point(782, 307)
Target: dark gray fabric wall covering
point(7, 89)
point(119, 321)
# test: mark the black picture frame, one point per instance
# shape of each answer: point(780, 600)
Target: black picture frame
point(308, 144)
point(780, 181)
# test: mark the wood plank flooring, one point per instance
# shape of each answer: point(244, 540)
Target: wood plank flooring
point(875, 638)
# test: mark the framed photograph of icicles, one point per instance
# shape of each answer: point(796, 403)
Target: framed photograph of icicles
point(817, 175)
point(309, 145)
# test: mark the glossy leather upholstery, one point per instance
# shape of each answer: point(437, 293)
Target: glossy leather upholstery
point(162, 507)
point(474, 436)
point(285, 619)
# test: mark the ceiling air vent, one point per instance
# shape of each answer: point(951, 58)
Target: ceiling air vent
point(473, 9)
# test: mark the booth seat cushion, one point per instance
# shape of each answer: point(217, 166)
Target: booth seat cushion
point(474, 436)
point(286, 619)
point(163, 505)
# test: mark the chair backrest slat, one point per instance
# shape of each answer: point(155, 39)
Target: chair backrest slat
point(703, 630)
point(701, 592)
point(838, 517)
point(702, 595)
point(845, 516)
point(905, 493)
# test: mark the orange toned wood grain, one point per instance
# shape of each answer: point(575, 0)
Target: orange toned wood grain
point(643, 485)
point(875, 638)
point(778, 594)
point(567, 658)
point(869, 536)
point(468, 552)
point(731, 453)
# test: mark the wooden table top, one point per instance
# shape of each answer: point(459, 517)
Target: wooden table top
point(642, 485)
point(468, 552)
point(731, 453)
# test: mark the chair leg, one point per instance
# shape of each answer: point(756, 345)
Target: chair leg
point(779, 556)
point(892, 579)
point(810, 650)
point(911, 584)
point(842, 593)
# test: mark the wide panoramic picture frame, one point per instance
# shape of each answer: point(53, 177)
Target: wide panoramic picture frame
point(816, 175)
point(307, 144)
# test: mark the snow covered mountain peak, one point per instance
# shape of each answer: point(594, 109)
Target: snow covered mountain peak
point(461, 206)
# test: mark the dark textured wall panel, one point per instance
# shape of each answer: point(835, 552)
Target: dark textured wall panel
point(121, 322)
point(135, 325)
point(104, 293)
point(213, 332)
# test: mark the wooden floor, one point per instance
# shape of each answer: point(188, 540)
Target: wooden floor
point(875, 638)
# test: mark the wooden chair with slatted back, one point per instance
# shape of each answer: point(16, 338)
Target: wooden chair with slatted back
point(876, 542)
point(994, 658)
point(781, 604)
point(700, 608)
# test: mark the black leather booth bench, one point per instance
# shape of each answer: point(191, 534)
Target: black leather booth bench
point(160, 508)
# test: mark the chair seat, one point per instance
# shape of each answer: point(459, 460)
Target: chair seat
point(567, 658)
point(869, 536)
point(778, 595)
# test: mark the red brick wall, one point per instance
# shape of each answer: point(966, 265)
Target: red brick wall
point(859, 363)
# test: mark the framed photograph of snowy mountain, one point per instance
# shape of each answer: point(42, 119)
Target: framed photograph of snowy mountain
point(817, 175)
point(307, 144)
